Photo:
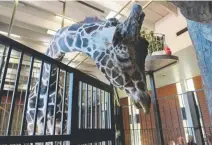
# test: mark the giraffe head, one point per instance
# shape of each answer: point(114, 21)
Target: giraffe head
point(131, 52)
point(125, 68)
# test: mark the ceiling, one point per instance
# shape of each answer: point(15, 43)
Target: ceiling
point(34, 18)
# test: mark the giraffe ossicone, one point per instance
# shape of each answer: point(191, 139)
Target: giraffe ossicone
point(117, 49)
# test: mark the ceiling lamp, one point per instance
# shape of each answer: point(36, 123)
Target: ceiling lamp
point(13, 35)
point(51, 32)
point(112, 14)
point(45, 43)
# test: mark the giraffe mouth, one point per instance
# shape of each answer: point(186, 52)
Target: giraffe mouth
point(140, 106)
point(124, 60)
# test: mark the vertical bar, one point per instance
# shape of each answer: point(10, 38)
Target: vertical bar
point(103, 117)
point(5, 72)
point(37, 99)
point(47, 98)
point(133, 127)
point(192, 108)
point(72, 125)
point(100, 108)
point(156, 110)
point(91, 121)
point(96, 101)
point(63, 103)
point(13, 96)
point(86, 106)
point(27, 96)
point(56, 99)
point(152, 128)
point(80, 104)
point(109, 109)
point(112, 116)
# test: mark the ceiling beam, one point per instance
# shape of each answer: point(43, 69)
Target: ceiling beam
point(168, 7)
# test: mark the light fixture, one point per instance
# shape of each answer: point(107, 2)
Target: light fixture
point(112, 14)
point(4, 33)
point(65, 19)
point(58, 17)
point(51, 32)
point(14, 35)
point(45, 43)
point(69, 21)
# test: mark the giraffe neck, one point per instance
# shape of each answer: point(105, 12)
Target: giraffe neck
point(93, 39)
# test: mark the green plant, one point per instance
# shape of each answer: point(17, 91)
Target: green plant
point(156, 41)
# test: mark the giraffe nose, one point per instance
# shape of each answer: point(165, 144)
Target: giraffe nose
point(143, 102)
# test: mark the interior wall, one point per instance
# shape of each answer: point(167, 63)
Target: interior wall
point(169, 26)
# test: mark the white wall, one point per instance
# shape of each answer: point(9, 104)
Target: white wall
point(170, 25)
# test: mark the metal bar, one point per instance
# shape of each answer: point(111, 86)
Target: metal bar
point(147, 4)
point(109, 106)
point(112, 117)
point(63, 103)
point(5, 71)
point(56, 99)
point(27, 96)
point(33, 6)
point(47, 98)
point(96, 101)
point(80, 104)
point(105, 111)
point(152, 127)
point(9, 31)
point(123, 8)
point(13, 96)
point(37, 99)
point(29, 139)
point(132, 118)
point(100, 109)
point(73, 108)
point(91, 121)
point(87, 79)
point(86, 106)
point(164, 66)
point(81, 61)
point(70, 104)
point(73, 105)
point(64, 10)
point(74, 58)
point(158, 123)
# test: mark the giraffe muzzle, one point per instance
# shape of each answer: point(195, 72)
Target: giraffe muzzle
point(143, 103)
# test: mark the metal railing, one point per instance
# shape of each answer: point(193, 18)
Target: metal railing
point(87, 104)
point(183, 115)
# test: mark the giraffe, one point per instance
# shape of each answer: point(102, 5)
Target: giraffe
point(114, 47)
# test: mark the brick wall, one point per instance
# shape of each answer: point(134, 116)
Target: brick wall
point(171, 115)
point(126, 120)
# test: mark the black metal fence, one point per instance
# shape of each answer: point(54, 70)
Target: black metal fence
point(183, 116)
point(87, 112)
